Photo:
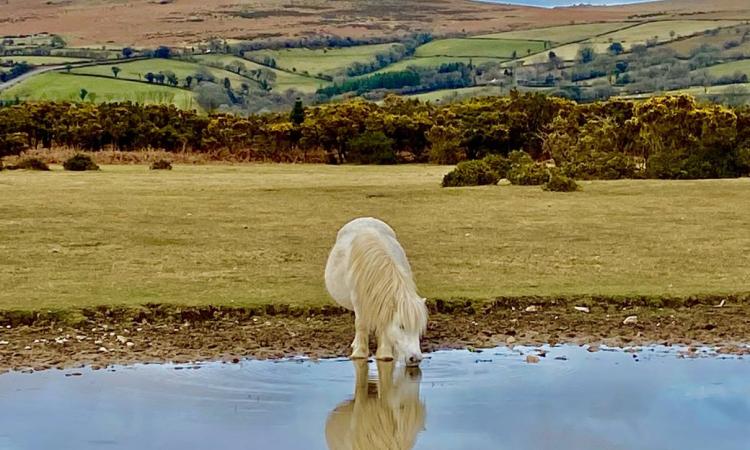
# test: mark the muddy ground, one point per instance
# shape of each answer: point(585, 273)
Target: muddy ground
point(157, 333)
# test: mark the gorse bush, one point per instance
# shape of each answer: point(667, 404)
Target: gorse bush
point(470, 173)
point(29, 164)
point(524, 171)
point(161, 164)
point(80, 163)
point(560, 183)
point(499, 164)
point(662, 137)
point(372, 148)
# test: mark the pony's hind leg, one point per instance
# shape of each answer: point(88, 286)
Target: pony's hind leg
point(361, 343)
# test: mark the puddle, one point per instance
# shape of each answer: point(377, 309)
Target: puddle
point(571, 399)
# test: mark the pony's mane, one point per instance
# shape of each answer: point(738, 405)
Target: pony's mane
point(384, 291)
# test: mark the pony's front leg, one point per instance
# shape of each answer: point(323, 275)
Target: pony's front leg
point(385, 348)
point(361, 343)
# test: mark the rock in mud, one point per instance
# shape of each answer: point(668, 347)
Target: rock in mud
point(593, 348)
point(630, 320)
point(582, 309)
point(532, 359)
point(532, 308)
point(504, 182)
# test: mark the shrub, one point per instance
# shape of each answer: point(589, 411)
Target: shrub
point(372, 148)
point(79, 163)
point(445, 145)
point(524, 171)
point(161, 164)
point(30, 164)
point(470, 173)
point(499, 164)
point(560, 183)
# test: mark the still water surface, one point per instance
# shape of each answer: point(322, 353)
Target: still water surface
point(571, 399)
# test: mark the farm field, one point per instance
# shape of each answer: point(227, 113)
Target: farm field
point(562, 34)
point(448, 95)
point(284, 80)
point(730, 68)
point(433, 61)
point(567, 52)
point(321, 61)
point(66, 87)
point(489, 48)
point(137, 70)
point(244, 235)
point(42, 60)
point(661, 31)
point(683, 47)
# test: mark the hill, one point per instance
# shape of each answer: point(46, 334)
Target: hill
point(143, 22)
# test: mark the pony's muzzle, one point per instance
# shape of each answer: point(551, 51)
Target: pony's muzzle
point(413, 360)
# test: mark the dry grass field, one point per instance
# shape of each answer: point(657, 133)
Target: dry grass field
point(258, 234)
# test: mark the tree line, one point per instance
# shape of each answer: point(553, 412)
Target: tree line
point(663, 137)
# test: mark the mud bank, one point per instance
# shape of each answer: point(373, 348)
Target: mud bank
point(161, 333)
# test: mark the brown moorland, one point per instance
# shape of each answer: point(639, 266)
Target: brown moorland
point(180, 22)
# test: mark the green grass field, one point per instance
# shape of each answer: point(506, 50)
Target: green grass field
point(449, 95)
point(42, 60)
point(284, 80)
point(661, 31)
point(489, 48)
point(700, 91)
point(62, 86)
point(684, 46)
point(240, 235)
point(321, 61)
point(434, 61)
point(136, 70)
point(561, 34)
point(730, 68)
point(567, 52)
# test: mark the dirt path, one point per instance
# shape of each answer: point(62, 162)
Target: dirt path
point(160, 334)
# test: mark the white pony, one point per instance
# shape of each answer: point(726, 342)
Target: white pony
point(388, 415)
point(367, 272)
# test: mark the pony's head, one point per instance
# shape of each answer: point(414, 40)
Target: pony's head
point(405, 330)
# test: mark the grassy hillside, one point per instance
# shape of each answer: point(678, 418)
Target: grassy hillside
point(320, 61)
point(183, 236)
point(684, 46)
point(42, 60)
point(562, 34)
point(730, 68)
point(62, 86)
point(567, 52)
point(137, 70)
point(284, 80)
point(433, 61)
point(661, 31)
point(491, 48)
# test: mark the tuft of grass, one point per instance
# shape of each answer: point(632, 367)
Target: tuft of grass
point(252, 235)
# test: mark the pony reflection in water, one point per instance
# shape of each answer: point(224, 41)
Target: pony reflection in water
point(385, 414)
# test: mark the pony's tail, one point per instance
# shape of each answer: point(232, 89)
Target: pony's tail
point(381, 287)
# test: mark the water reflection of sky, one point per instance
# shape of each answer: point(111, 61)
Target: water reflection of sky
point(603, 400)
